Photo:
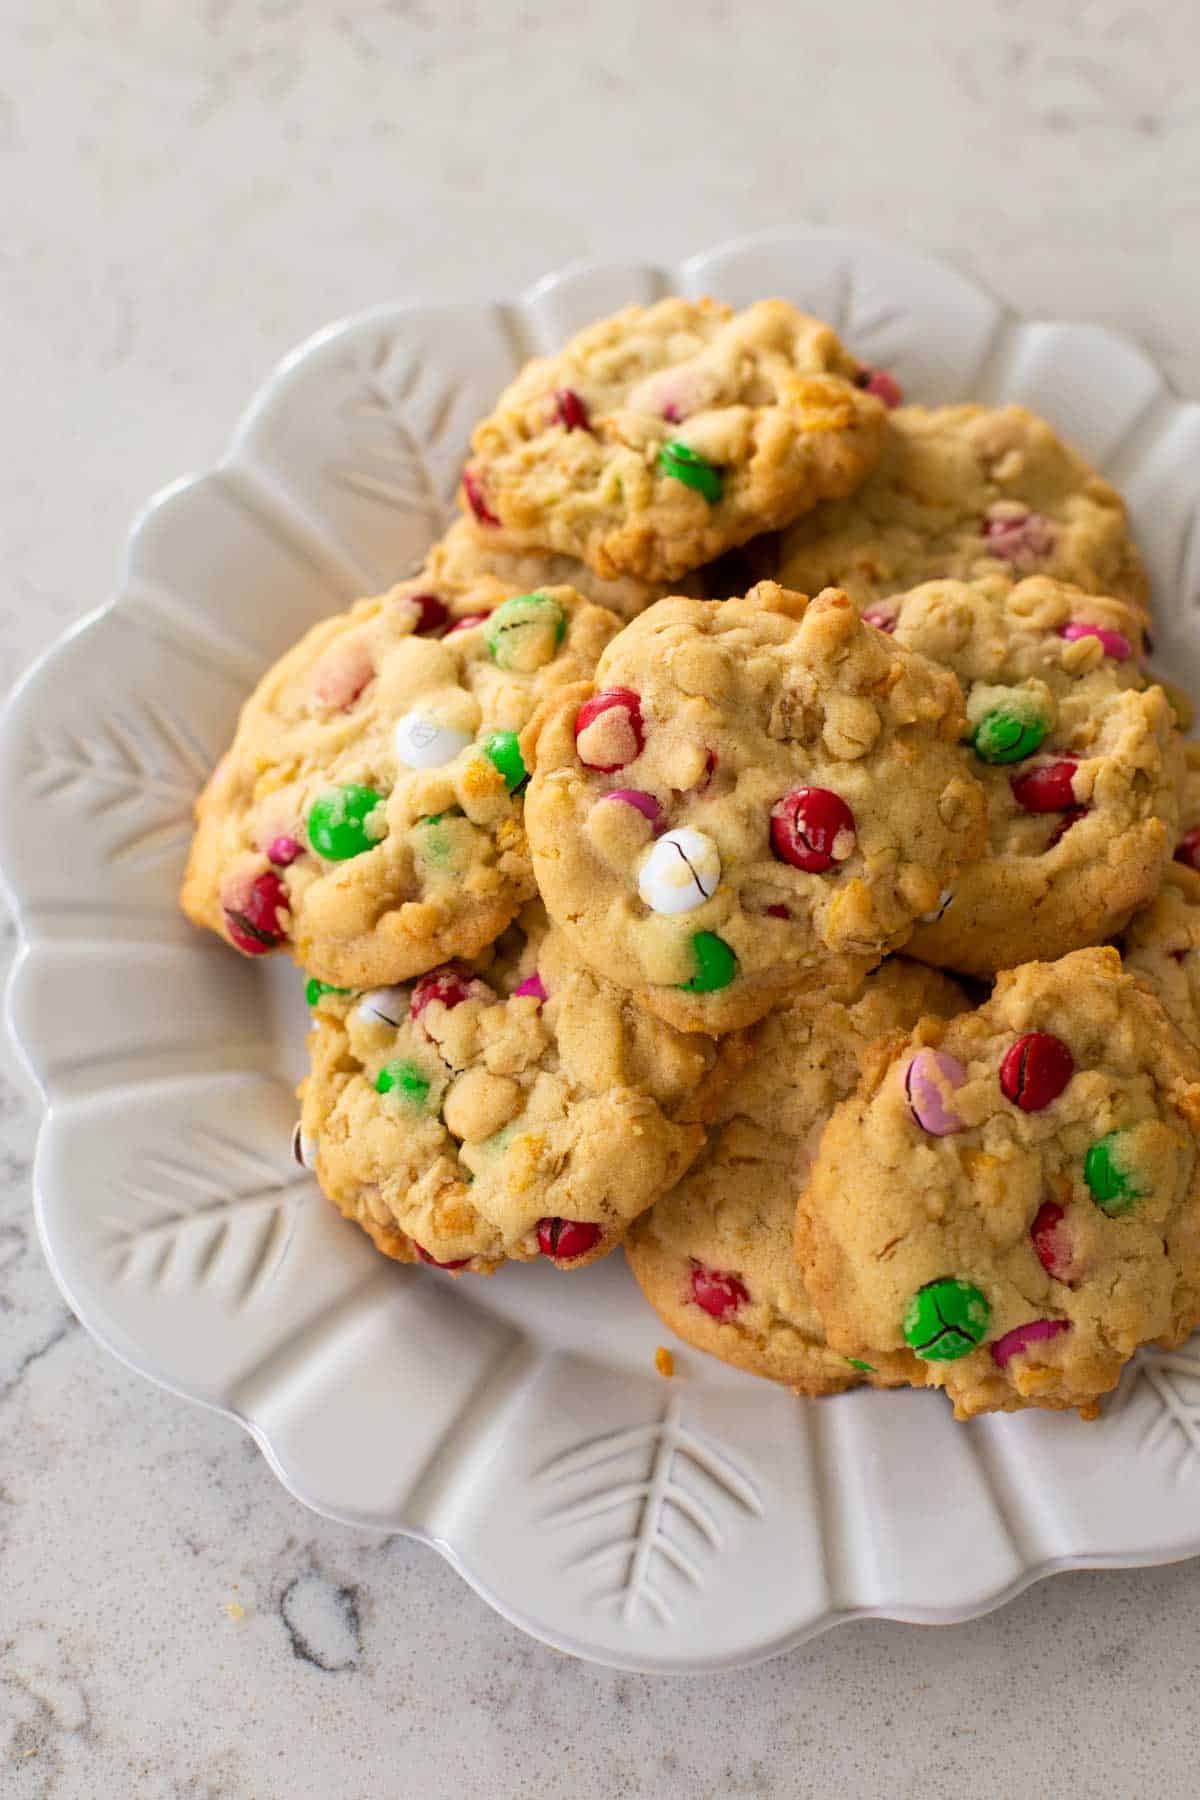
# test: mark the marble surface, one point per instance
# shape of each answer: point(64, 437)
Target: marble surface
point(187, 191)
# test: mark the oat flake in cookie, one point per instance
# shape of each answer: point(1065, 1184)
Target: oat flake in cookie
point(966, 491)
point(1078, 757)
point(512, 1107)
point(667, 434)
point(1009, 1205)
point(714, 1257)
point(367, 817)
point(754, 796)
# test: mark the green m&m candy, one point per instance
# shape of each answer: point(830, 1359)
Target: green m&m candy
point(337, 822)
point(1113, 1185)
point(1008, 735)
point(856, 1362)
point(946, 1319)
point(405, 1080)
point(684, 464)
point(504, 753)
point(524, 633)
point(313, 989)
point(716, 965)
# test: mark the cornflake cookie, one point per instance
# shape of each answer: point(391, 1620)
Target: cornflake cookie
point(1163, 940)
point(469, 551)
point(1009, 1205)
point(512, 1107)
point(714, 1257)
point(755, 796)
point(1162, 949)
point(1078, 758)
point(368, 815)
point(666, 434)
point(968, 491)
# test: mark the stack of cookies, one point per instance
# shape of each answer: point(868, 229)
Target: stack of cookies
point(754, 838)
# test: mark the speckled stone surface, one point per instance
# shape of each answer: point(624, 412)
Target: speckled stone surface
point(187, 190)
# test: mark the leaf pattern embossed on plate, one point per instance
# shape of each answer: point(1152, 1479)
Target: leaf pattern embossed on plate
point(410, 457)
point(641, 1471)
point(146, 765)
point(1173, 1378)
point(219, 1214)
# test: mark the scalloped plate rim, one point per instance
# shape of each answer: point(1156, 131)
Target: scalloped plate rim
point(819, 1622)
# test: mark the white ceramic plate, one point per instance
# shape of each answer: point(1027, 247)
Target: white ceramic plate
point(515, 1424)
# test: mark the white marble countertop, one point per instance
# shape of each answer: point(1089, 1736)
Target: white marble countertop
point(187, 191)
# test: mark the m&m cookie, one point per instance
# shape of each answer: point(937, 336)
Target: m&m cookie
point(1009, 1205)
point(752, 797)
point(665, 435)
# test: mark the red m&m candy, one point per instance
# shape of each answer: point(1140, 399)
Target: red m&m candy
point(565, 1239)
point(433, 1261)
point(1035, 1070)
point(609, 731)
point(432, 613)
point(453, 983)
point(1051, 1241)
point(812, 829)
point(475, 499)
point(1187, 850)
point(571, 410)
point(253, 924)
point(1047, 788)
point(716, 1293)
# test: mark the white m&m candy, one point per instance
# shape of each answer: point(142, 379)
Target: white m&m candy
point(383, 1006)
point(680, 872)
point(421, 743)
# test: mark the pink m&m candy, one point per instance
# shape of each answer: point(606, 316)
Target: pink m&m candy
point(716, 1293)
point(646, 804)
point(928, 1075)
point(283, 851)
point(453, 983)
point(475, 499)
point(1047, 788)
point(812, 828)
point(253, 921)
point(565, 1239)
point(609, 731)
point(1019, 538)
point(1038, 1331)
point(882, 384)
point(468, 622)
point(342, 674)
point(532, 987)
point(1035, 1070)
point(882, 617)
point(1114, 643)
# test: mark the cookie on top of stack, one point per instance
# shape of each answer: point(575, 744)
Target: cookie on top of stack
point(598, 838)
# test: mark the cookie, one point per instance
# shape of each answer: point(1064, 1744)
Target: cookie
point(664, 435)
point(469, 551)
point(967, 491)
point(1078, 757)
point(1010, 1203)
point(368, 815)
point(1162, 949)
point(714, 1256)
point(1162, 944)
point(514, 1106)
point(754, 796)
